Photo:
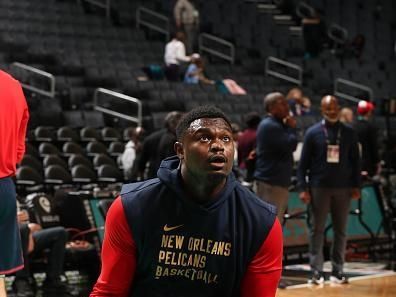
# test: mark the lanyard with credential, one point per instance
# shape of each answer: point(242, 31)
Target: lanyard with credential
point(327, 134)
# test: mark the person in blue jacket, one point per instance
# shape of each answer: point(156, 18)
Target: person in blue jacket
point(328, 177)
point(194, 230)
point(276, 142)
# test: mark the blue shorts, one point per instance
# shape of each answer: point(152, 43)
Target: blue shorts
point(11, 258)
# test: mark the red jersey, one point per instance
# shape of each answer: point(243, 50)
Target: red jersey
point(14, 116)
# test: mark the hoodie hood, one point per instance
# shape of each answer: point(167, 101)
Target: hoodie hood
point(169, 173)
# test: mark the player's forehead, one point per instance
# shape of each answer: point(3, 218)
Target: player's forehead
point(209, 124)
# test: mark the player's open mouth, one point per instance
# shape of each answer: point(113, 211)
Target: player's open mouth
point(217, 160)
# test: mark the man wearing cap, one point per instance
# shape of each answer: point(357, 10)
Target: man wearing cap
point(367, 136)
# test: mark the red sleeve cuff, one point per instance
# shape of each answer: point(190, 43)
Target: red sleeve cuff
point(118, 255)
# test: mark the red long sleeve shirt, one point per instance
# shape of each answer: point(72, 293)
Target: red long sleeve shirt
point(119, 260)
point(14, 116)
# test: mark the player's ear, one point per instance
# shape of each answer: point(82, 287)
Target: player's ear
point(178, 146)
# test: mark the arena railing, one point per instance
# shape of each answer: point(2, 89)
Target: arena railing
point(303, 10)
point(340, 81)
point(213, 49)
point(338, 34)
point(269, 71)
point(133, 115)
point(105, 4)
point(19, 70)
point(152, 24)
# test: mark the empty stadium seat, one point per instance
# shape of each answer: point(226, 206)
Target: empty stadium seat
point(44, 134)
point(27, 175)
point(76, 159)
point(96, 147)
point(33, 162)
point(116, 148)
point(109, 174)
point(83, 174)
point(110, 134)
point(54, 160)
point(69, 148)
point(102, 159)
point(46, 148)
point(67, 134)
point(89, 134)
point(56, 174)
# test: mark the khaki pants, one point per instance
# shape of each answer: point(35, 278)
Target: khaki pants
point(275, 195)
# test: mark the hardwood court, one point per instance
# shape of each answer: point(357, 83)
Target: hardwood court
point(365, 287)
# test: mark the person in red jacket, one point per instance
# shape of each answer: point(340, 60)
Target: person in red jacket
point(193, 231)
point(14, 117)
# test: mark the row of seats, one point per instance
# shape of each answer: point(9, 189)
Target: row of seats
point(85, 134)
point(92, 148)
point(67, 162)
point(56, 175)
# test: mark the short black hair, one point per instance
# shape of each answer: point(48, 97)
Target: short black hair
point(171, 120)
point(252, 119)
point(205, 111)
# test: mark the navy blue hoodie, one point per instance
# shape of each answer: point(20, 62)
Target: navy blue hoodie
point(187, 249)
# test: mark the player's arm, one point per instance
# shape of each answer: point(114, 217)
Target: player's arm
point(118, 255)
point(264, 271)
point(22, 127)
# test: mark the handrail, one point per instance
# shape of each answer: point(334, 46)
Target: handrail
point(303, 5)
point(338, 93)
point(333, 27)
point(268, 71)
point(136, 119)
point(50, 93)
point(202, 48)
point(161, 29)
point(106, 4)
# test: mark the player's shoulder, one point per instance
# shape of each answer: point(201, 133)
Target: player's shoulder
point(253, 202)
point(132, 188)
point(7, 78)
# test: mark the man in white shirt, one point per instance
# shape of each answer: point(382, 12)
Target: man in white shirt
point(175, 53)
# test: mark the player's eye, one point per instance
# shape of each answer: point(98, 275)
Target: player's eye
point(204, 138)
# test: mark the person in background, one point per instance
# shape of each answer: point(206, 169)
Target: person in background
point(175, 53)
point(276, 142)
point(306, 106)
point(130, 155)
point(14, 116)
point(35, 239)
point(194, 230)
point(187, 20)
point(247, 144)
point(355, 47)
point(328, 177)
point(368, 138)
point(157, 146)
point(314, 34)
point(299, 104)
point(346, 116)
point(236, 130)
point(195, 71)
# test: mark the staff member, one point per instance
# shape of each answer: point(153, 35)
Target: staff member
point(329, 176)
